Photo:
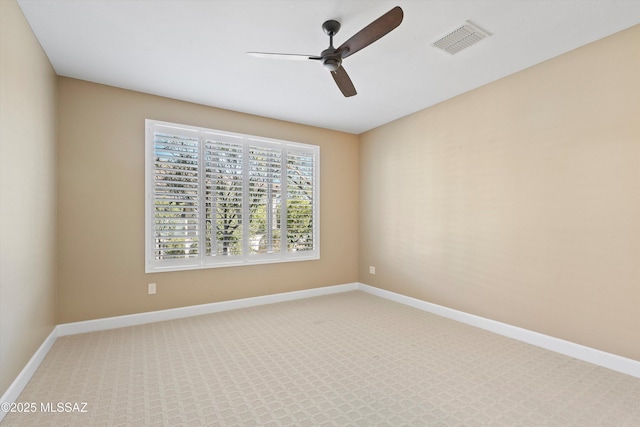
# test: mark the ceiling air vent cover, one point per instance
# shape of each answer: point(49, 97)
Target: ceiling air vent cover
point(461, 38)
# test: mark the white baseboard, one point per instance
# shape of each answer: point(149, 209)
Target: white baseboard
point(577, 351)
point(194, 310)
point(16, 387)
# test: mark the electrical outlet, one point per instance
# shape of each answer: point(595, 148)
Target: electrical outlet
point(372, 269)
point(151, 288)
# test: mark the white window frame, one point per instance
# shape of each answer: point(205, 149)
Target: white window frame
point(203, 260)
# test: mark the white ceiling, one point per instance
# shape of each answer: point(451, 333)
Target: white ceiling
point(194, 50)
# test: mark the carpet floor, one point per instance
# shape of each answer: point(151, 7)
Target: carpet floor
point(349, 359)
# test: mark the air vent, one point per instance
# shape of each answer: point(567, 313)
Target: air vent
point(461, 38)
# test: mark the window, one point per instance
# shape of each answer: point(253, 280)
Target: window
point(220, 199)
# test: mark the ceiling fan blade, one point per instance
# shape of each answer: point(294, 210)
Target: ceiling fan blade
point(343, 81)
point(289, 56)
point(372, 32)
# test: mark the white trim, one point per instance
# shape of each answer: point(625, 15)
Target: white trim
point(195, 310)
point(577, 351)
point(245, 143)
point(16, 387)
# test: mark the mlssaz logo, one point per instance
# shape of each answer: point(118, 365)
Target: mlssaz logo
point(80, 407)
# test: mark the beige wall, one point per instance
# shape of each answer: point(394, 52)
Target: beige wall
point(27, 193)
point(519, 201)
point(101, 207)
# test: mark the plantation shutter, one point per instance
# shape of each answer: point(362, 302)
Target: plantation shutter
point(176, 221)
point(301, 201)
point(265, 198)
point(224, 215)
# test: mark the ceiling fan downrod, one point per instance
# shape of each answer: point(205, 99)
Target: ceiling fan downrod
point(331, 59)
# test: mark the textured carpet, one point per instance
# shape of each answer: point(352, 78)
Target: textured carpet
point(343, 359)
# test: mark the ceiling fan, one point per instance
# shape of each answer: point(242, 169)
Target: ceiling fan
point(331, 58)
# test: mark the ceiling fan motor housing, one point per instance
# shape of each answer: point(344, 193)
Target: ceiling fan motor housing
point(331, 60)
